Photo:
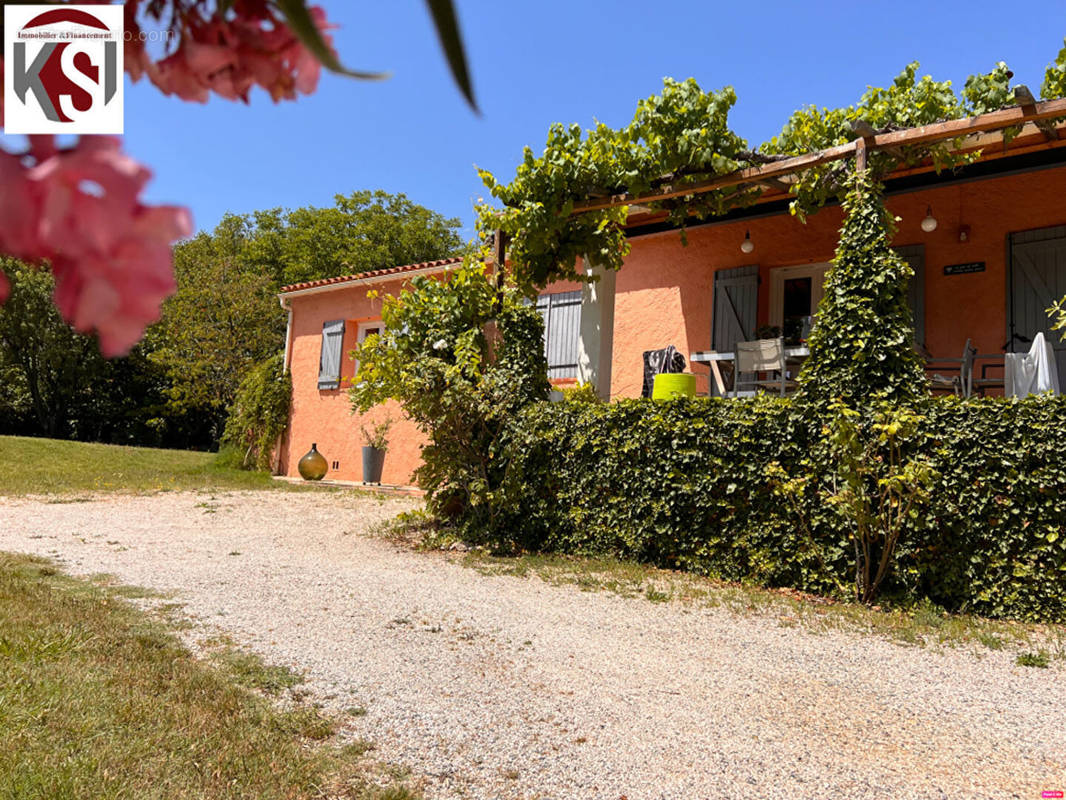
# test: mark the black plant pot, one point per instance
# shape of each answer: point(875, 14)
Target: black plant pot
point(373, 462)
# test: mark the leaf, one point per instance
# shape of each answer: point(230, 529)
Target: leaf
point(451, 41)
point(299, 20)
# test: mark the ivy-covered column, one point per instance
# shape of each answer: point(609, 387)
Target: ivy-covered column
point(862, 347)
point(595, 347)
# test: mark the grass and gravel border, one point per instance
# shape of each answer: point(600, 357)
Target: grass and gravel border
point(922, 625)
point(100, 698)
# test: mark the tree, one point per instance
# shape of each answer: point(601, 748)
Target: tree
point(223, 319)
point(862, 349)
point(53, 381)
point(52, 361)
point(461, 357)
point(363, 231)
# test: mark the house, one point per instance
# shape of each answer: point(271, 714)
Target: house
point(987, 272)
point(326, 320)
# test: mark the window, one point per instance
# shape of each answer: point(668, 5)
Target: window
point(369, 329)
point(329, 362)
point(562, 322)
point(374, 328)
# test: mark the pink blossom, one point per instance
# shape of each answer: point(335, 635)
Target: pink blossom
point(229, 56)
point(79, 209)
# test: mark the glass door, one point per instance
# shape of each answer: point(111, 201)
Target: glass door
point(795, 293)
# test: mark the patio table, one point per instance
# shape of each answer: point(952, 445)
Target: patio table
point(712, 359)
point(793, 352)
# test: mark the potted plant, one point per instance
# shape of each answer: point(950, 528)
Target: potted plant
point(376, 442)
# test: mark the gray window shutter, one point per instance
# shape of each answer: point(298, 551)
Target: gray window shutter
point(562, 323)
point(914, 254)
point(329, 364)
point(736, 304)
point(1037, 279)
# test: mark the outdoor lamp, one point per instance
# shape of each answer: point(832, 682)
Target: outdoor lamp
point(929, 223)
point(748, 245)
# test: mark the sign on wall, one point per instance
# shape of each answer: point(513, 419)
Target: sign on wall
point(964, 269)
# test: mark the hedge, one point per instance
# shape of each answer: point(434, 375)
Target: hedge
point(687, 484)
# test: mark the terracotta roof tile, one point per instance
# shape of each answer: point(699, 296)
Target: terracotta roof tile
point(377, 273)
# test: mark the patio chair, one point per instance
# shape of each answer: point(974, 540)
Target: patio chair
point(761, 357)
point(965, 384)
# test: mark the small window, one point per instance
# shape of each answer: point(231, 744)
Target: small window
point(562, 324)
point(375, 328)
point(369, 329)
point(329, 363)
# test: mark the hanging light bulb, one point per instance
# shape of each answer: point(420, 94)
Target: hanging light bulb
point(747, 245)
point(929, 223)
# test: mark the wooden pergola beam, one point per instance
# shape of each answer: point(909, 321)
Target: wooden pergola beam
point(1024, 98)
point(776, 183)
point(925, 134)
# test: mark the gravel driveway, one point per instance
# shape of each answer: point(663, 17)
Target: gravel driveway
point(501, 687)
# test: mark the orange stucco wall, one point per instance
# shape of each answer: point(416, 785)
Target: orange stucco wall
point(665, 290)
point(664, 296)
point(324, 416)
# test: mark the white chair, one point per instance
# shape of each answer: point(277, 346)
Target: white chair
point(761, 357)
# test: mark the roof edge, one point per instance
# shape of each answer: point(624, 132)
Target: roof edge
point(373, 276)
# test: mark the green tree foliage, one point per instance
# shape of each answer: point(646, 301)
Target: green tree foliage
point(878, 491)
point(1054, 85)
point(54, 381)
point(461, 356)
point(259, 413)
point(223, 319)
point(363, 231)
point(681, 137)
point(862, 349)
point(52, 362)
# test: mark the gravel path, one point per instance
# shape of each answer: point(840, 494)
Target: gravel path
point(499, 687)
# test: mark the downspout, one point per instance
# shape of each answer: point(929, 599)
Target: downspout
point(288, 332)
point(285, 369)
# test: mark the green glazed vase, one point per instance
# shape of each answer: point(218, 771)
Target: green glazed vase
point(313, 465)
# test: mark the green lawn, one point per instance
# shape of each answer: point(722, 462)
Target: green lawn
point(100, 700)
point(51, 466)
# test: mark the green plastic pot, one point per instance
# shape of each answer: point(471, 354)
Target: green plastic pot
point(671, 385)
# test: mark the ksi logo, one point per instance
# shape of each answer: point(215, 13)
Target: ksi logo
point(63, 69)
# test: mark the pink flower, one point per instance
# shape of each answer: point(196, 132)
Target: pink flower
point(231, 55)
point(110, 254)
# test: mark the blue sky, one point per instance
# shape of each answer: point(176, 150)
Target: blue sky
point(538, 63)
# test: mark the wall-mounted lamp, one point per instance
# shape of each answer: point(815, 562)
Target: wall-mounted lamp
point(929, 223)
point(747, 245)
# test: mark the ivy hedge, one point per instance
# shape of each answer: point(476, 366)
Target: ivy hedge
point(696, 485)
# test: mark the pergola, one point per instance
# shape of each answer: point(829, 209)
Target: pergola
point(1039, 123)
point(1041, 126)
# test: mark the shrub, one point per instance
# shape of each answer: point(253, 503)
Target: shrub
point(697, 485)
point(377, 435)
point(461, 356)
point(862, 349)
point(258, 415)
